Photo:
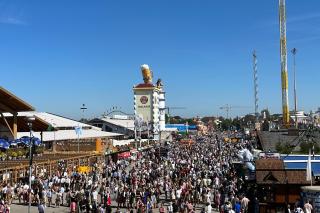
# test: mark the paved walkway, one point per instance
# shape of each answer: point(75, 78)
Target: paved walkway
point(16, 208)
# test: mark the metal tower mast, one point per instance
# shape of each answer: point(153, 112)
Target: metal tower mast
point(284, 67)
point(294, 52)
point(255, 78)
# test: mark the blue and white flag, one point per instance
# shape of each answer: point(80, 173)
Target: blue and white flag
point(78, 130)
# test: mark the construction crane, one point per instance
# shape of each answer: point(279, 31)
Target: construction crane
point(283, 60)
point(172, 108)
point(228, 108)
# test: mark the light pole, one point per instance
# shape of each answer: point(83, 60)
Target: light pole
point(159, 145)
point(30, 120)
point(137, 127)
point(83, 108)
point(140, 136)
point(148, 131)
point(135, 136)
point(294, 52)
point(79, 130)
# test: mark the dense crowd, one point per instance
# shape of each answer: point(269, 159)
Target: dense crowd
point(190, 177)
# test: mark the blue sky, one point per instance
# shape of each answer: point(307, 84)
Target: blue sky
point(59, 54)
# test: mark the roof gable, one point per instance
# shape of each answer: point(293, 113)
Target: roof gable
point(270, 177)
point(11, 103)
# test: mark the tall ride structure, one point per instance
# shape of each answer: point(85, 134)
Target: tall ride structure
point(284, 67)
point(255, 79)
point(294, 52)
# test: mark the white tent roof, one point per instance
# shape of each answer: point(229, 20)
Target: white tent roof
point(121, 142)
point(70, 134)
point(125, 142)
point(55, 121)
point(126, 123)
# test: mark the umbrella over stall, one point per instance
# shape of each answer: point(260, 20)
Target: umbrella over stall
point(4, 144)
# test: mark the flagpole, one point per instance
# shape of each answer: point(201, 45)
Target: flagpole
point(78, 143)
point(309, 168)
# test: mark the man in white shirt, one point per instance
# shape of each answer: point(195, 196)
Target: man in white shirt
point(308, 207)
point(208, 196)
point(89, 182)
point(62, 190)
point(95, 196)
point(170, 208)
point(244, 204)
point(209, 208)
point(63, 180)
point(179, 191)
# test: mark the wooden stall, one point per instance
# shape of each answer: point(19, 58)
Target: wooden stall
point(12, 171)
point(278, 186)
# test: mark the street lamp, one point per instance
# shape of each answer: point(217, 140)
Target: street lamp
point(79, 128)
point(137, 126)
point(29, 121)
point(83, 108)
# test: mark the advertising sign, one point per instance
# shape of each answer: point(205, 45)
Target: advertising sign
point(124, 155)
point(143, 106)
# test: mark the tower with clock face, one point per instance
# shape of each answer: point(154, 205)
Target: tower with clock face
point(149, 103)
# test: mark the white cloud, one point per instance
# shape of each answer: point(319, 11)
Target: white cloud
point(305, 17)
point(12, 20)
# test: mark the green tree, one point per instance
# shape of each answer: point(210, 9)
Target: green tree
point(306, 146)
point(249, 120)
point(236, 122)
point(208, 119)
point(167, 118)
point(226, 124)
point(265, 113)
point(284, 148)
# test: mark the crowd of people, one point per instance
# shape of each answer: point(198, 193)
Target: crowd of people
point(189, 177)
point(184, 177)
point(198, 176)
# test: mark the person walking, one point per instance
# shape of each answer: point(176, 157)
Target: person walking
point(161, 209)
point(73, 207)
point(41, 208)
point(170, 208)
point(62, 190)
point(49, 197)
point(244, 204)
point(237, 207)
point(308, 207)
point(100, 209)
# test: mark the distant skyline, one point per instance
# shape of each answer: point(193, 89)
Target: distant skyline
point(58, 55)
